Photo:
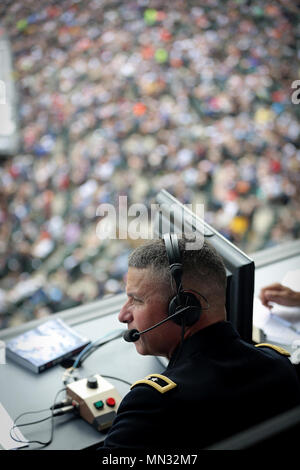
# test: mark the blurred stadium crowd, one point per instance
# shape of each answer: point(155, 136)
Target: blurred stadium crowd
point(125, 98)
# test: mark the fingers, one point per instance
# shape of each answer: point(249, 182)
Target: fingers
point(265, 293)
point(262, 295)
point(279, 294)
point(276, 286)
point(279, 297)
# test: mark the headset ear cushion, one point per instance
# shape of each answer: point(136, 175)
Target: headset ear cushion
point(186, 299)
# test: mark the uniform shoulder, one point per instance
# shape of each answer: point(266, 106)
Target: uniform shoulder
point(278, 349)
point(159, 382)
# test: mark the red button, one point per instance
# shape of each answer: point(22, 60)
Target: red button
point(111, 401)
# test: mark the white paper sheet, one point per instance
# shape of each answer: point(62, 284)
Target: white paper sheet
point(269, 320)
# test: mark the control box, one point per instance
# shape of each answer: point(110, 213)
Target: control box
point(97, 400)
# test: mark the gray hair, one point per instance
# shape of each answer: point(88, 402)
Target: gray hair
point(203, 267)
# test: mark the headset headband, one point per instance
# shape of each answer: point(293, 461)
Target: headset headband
point(174, 257)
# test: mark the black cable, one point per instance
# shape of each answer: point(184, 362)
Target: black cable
point(93, 349)
point(116, 378)
point(79, 360)
point(181, 342)
point(52, 415)
point(53, 407)
point(96, 346)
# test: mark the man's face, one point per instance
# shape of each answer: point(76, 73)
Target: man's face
point(147, 304)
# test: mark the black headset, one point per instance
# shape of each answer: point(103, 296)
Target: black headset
point(184, 308)
point(183, 300)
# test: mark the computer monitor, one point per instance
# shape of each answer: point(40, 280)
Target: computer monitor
point(173, 216)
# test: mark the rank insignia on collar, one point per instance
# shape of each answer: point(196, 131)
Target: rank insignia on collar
point(160, 382)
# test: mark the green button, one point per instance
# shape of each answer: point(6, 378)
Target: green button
point(99, 404)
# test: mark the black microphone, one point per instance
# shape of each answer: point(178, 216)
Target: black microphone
point(131, 336)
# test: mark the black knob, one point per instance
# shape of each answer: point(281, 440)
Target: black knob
point(92, 382)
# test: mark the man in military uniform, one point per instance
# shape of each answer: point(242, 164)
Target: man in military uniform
point(215, 384)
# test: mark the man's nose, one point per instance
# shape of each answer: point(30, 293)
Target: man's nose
point(125, 315)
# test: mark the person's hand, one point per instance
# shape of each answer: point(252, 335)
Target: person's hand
point(279, 294)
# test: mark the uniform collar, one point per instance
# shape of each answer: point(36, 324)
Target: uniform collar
point(214, 337)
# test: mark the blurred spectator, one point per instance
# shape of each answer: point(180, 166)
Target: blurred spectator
point(126, 98)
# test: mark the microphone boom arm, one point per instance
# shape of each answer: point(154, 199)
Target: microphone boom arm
point(134, 335)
